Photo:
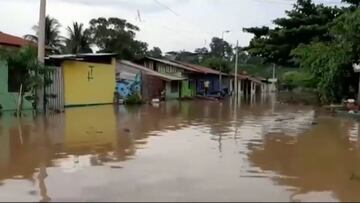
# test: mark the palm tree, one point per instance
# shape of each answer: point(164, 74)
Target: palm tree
point(78, 40)
point(53, 39)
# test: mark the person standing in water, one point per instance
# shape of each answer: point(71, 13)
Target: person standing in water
point(207, 85)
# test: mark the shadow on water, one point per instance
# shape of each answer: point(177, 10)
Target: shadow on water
point(181, 151)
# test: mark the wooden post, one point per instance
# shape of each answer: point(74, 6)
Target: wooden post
point(18, 112)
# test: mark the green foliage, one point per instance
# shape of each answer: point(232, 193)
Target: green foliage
point(220, 48)
point(346, 31)
point(305, 23)
point(35, 75)
point(78, 40)
point(218, 64)
point(296, 79)
point(202, 51)
point(53, 38)
point(331, 63)
point(329, 66)
point(134, 99)
point(155, 52)
point(188, 57)
point(265, 70)
point(117, 35)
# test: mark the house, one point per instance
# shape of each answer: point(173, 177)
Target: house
point(184, 88)
point(10, 81)
point(11, 41)
point(202, 74)
point(81, 80)
point(9, 89)
point(132, 79)
point(249, 85)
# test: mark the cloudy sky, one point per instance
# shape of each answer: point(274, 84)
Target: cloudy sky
point(170, 24)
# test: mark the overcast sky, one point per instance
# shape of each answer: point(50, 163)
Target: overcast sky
point(171, 25)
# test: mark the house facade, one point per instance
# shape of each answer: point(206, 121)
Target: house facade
point(136, 79)
point(202, 74)
point(183, 88)
point(81, 80)
point(9, 76)
point(9, 90)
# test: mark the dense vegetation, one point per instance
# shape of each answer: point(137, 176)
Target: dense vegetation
point(323, 41)
point(106, 34)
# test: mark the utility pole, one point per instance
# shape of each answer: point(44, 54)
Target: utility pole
point(274, 71)
point(357, 70)
point(222, 57)
point(236, 69)
point(41, 54)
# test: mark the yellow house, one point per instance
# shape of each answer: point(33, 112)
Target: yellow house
point(81, 80)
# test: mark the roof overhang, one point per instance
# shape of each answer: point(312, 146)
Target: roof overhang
point(150, 72)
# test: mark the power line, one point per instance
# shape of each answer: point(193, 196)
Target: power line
point(167, 7)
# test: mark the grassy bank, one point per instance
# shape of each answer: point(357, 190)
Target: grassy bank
point(265, 70)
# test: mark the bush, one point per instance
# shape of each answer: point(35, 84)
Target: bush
point(297, 79)
point(134, 99)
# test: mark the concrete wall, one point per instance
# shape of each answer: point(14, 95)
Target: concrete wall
point(89, 83)
point(172, 95)
point(128, 81)
point(188, 88)
point(9, 100)
point(214, 83)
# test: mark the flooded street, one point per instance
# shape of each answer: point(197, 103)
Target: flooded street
point(181, 151)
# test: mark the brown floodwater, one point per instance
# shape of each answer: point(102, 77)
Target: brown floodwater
point(181, 151)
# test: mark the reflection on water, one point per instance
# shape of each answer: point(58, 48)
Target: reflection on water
point(181, 151)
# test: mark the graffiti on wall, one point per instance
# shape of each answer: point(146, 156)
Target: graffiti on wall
point(130, 85)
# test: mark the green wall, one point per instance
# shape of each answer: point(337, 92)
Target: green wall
point(187, 89)
point(8, 101)
point(172, 95)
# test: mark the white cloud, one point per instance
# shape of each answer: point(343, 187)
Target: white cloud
point(194, 23)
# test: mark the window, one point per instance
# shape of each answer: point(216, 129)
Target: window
point(174, 86)
point(16, 78)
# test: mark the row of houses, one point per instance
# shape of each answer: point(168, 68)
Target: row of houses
point(92, 79)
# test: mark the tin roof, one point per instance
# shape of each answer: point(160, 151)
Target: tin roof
point(173, 64)
point(11, 40)
point(75, 56)
point(201, 69)
point(151, 72)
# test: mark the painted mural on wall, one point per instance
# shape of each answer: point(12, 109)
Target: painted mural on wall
point(129, 84)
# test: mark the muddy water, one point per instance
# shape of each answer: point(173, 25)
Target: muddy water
point(188, 151)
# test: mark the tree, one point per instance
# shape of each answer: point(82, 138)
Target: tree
point(329, 67)
point(258, 31)
point(53, 39)
point(331, 63)
point(202, 51)
point(217, 63)
point(155, 52)
point(220, 48)
point(78, 40)
point(117, 35)
point(304, 24)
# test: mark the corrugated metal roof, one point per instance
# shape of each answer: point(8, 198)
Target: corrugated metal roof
point(200, 68)
point(74, 56)
point(151, 72)
point(11, 40)
point(173, 64)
